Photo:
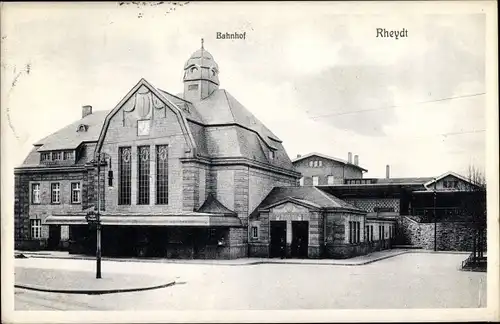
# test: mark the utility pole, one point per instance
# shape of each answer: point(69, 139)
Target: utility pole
point(98, 216)
point(435, 217)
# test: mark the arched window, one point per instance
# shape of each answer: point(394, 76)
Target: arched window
point(193, 69)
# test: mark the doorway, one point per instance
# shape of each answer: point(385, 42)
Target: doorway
point(300, 239)
point(278, 239)
point(54, 237)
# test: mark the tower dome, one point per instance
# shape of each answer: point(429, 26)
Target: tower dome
point(201, 75)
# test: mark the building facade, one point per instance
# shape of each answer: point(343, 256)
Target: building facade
point(179, 174)
point(319, 169)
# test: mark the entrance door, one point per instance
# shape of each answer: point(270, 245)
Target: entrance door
point(278, 239)
point(300, 238)
point(54, 237)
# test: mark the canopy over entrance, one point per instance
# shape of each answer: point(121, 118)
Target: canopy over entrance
point(182, 219)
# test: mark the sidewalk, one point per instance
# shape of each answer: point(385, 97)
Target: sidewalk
point(82, 282)
point(359, 260)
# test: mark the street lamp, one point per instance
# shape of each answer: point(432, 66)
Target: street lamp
point(435, 217)
point(100, 158)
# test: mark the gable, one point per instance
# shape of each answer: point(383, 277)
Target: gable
point(451, 182)
point(144, 113)
point(289, 208)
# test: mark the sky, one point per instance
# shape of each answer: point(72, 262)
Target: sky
point(315, 74)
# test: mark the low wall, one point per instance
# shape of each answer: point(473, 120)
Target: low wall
point(450, 236)
point(344, 251)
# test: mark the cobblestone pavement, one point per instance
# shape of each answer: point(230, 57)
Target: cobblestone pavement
point(412, 280)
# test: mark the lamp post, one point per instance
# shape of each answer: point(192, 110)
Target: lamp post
point(100, 157)
point(435, 217)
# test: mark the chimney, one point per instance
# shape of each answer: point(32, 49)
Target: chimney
point(86, 110)
point(349, 157)
point(387, 171)
point(298, 155)
point(356, 159)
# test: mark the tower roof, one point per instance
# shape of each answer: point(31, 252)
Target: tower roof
point(201, 57)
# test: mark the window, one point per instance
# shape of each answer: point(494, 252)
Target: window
point(45, 156)
point(271, 155)
point(354, 232)
point(161, 174)
point(315, 163)
point(55, 193)
point(315, 180)
point(350, 232)
point(194, 69)
point(193, 87)
point(301, 181)
point(124, 172)
point(330, 179)
point(450, 184)
point(367, 233)
point(68, 155)
point(371, 233)
point(311, 163)
point(76, 193)
point(320, 163)
point(380, 232)
point(36, 228)
point(35, 193)
point(255, 232)
point(56, 156)
point(143, 175)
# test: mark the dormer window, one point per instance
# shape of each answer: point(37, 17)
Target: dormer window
point(193, 69)
point(82, 128)
point(272, 155)
point(45, 156)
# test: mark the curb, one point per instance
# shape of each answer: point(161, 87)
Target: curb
point(229, 264)
point(92, 291)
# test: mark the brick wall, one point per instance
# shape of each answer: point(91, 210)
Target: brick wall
point(24, 210)
point(450, 236)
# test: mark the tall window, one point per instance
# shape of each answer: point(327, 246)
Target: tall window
point(56, 156)
point(301, 181)
point(36, 228)
point(255, 232)
point(330, 179)
point(311, 163)
point(35, 193)
point(76, 193)
point(315, 180)
point(55, 193)
point(124, 172)
point(371, 233)
point(354, 232)
point(162, 174)
point(143, 175)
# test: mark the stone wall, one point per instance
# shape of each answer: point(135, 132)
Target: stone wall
point(450, 236)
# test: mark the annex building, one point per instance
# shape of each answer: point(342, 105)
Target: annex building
point(193, 175)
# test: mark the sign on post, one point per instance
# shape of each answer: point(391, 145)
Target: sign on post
point(92, 218)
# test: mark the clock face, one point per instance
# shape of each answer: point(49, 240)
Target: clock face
point(143, 127)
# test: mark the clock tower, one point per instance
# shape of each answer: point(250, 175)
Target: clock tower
point(201, 75)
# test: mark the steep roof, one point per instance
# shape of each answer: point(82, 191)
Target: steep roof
point(69, 138)
point(311, 195)
point(219, 126)
point(324, 156)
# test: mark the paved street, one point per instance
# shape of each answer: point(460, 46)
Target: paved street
point(413, 280)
